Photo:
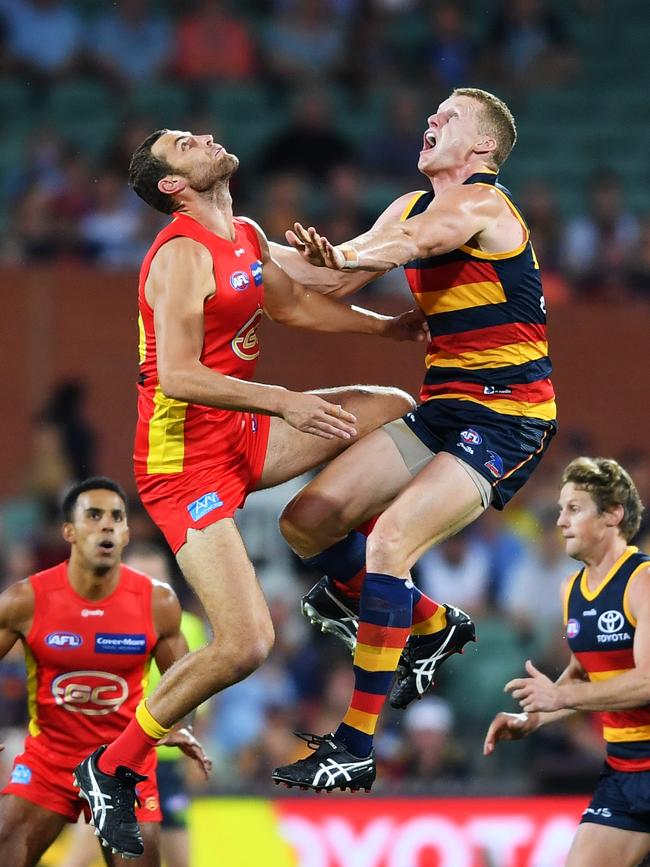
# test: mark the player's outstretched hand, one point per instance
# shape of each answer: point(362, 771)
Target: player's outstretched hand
point(411, 325)
point(508, 727)
point(315, 248)
point(536, 692)
point(313, 415)
point(185, 741)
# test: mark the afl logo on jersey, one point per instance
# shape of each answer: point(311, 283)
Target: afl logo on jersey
point(471, 436)
point(245, 344)
point(240, 281)
point(61, 640)
point(572, 628)
point(93, 693)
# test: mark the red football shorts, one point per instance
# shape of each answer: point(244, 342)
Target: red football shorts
point(198, 497)
point(44, 777)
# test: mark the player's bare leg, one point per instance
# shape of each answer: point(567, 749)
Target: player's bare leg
point(601, 846)
point(216, 565)
point(291, 452)
point(26, 831)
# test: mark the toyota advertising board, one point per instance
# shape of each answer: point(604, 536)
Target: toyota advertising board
point(375, 832)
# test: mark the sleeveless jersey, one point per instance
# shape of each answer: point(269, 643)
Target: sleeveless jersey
point(172, 435)
point(87, 661)
point(487, 320)
point(600, 631)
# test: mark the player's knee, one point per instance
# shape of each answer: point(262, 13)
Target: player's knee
point(385, 548)
point(308, 519)
point(246, 651)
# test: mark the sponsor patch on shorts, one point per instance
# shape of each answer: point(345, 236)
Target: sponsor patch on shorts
point(120, 642)
point(204, 505)
point(21, 774)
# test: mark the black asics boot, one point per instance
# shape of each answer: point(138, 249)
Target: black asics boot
point(112, 800)
point(424, 654)
point(331, 767)
point(335, 613)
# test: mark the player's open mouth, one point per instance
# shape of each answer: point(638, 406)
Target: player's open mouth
point(106, 545)
point(429, 140)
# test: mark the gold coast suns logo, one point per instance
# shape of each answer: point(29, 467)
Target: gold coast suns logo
point(244, 343)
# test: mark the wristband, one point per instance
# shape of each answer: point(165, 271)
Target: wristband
point(350, 258)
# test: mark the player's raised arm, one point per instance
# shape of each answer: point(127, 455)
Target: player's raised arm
point(290, 303)
point(454, 217)
point(180, 281)
point(307, 266)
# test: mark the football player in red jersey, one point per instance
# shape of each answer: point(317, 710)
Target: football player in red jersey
point(207, 433)
point(90, 628)
point(607, 618)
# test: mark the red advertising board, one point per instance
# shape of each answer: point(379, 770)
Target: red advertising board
point(464, 832)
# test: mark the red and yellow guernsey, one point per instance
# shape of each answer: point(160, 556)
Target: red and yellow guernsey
point(172, 435)
point(487, 320)
point(600, 630)
point(87, 661)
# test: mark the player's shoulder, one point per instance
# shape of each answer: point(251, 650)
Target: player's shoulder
point(400, 207)
point(17, 603)
point(181, 249)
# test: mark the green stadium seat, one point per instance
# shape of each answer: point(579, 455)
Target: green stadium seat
point(238, 103)
point(166, 105)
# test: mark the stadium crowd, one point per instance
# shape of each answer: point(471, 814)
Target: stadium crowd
point(324, 101)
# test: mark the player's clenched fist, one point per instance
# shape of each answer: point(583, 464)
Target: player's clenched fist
point(311, 414)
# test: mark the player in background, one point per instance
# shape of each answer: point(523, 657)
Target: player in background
point(170, 771)
point(486, 416)
point(607, 618)
point(207, 434)
point(90, 628)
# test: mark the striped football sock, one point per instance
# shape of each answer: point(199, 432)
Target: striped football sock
point(384, 626)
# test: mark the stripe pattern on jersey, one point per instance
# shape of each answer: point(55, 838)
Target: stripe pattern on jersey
point(600, 631)
point(487, 321)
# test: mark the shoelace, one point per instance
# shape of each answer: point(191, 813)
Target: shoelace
point(126, 797)
point(313, 741)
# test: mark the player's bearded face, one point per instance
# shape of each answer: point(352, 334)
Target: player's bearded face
point(209, 171)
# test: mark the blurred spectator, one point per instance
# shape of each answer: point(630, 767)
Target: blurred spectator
point(44, 36)
point(637, 269)
point(456, 571)
point(304, 42)
point(309, 144)
point(450, 51)
point(281, 200)
point(428, 751)
point(393, 152)
point(65, 410)
point(528, 44)
point(598, 243)
point(133, 42)
point(532, 595)
point(543, 216)
point(345, 213)
point(111, 227)
point(211, 43)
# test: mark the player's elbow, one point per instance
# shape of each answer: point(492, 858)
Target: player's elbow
point(171, 383)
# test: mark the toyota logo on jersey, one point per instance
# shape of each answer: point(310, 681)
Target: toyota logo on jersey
point(94, 693)
point(245, 344)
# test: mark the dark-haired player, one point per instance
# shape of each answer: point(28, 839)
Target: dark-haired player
point(208, 434)
point(607, 618)
point(90, 628)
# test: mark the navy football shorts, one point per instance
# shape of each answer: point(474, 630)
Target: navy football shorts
point(621, 800)
point(505, 449)
point(172, 790)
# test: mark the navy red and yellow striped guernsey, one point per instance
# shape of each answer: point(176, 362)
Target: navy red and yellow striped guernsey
point(487, 320)
point(600, 630)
